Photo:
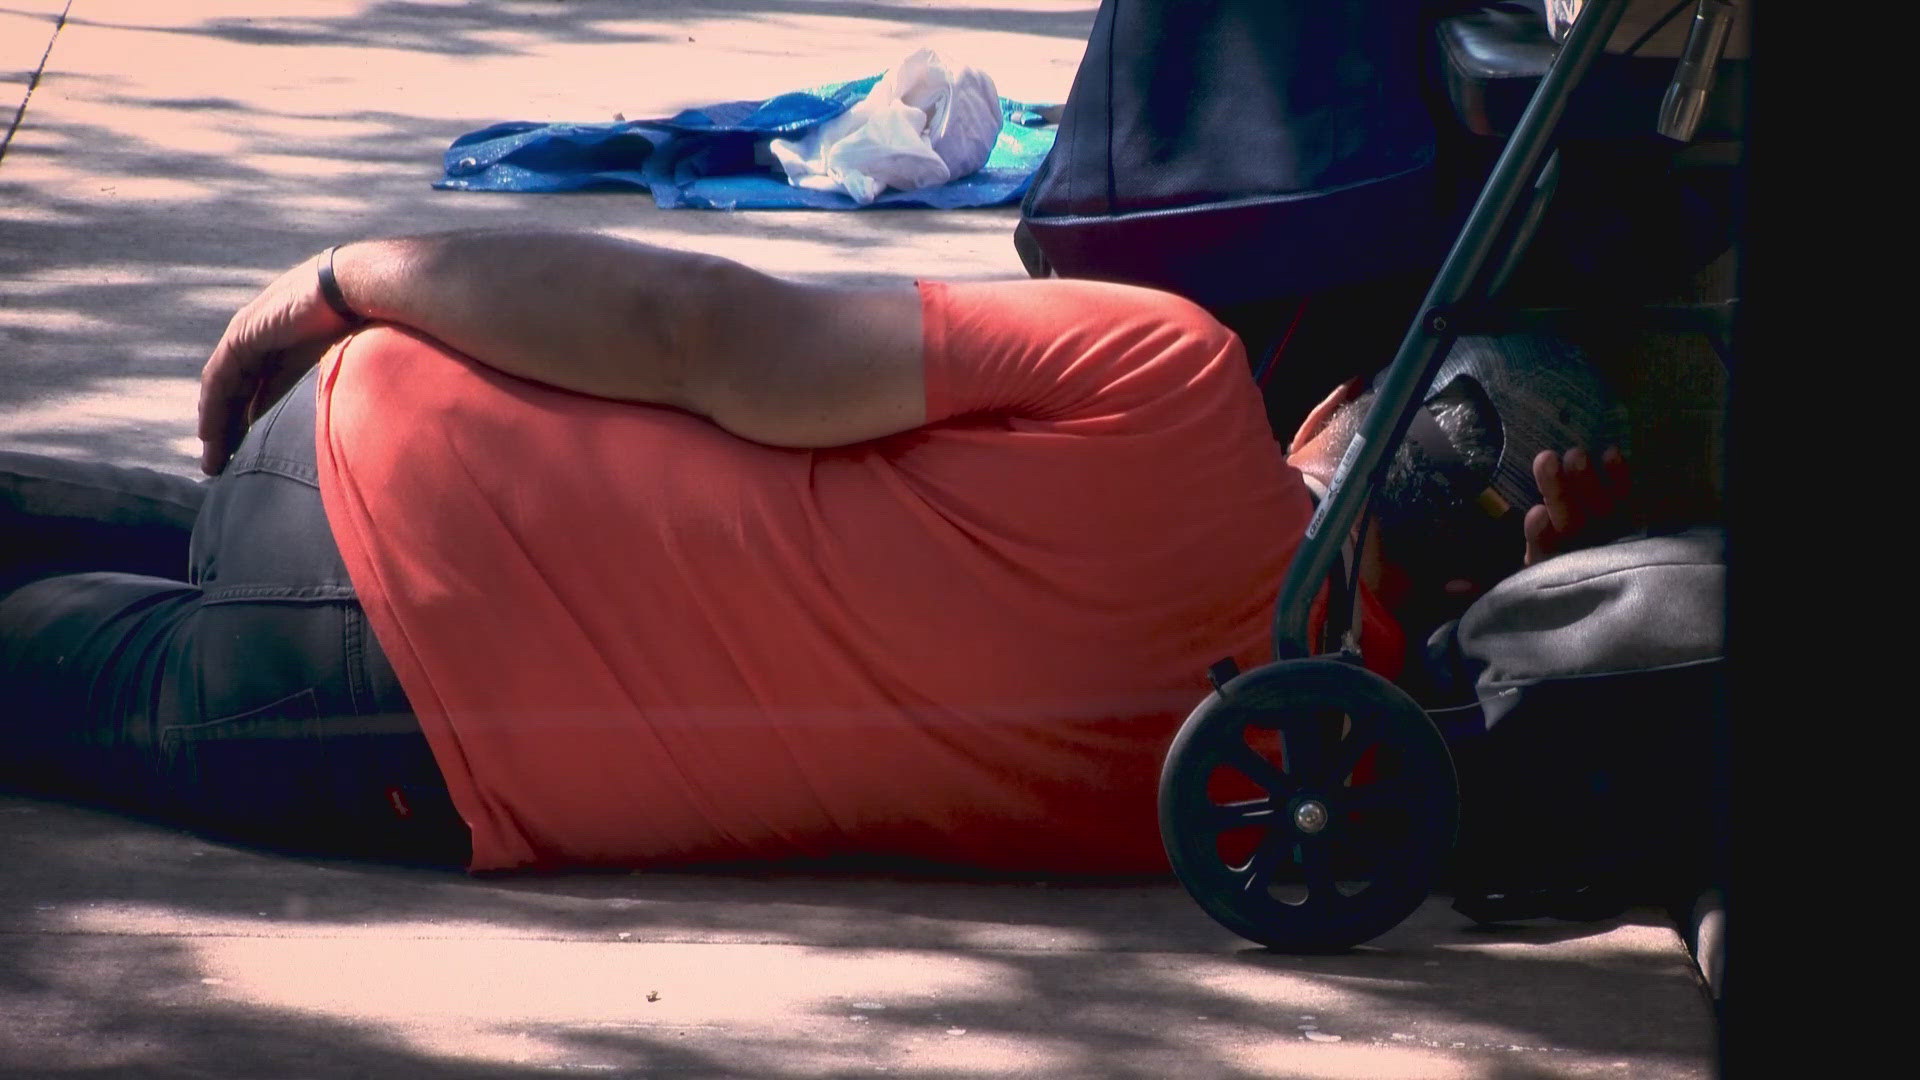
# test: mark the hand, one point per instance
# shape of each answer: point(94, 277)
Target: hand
point(268, 345)
point(1580, 505)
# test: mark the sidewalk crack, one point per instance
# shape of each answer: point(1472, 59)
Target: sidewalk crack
point(33, 81)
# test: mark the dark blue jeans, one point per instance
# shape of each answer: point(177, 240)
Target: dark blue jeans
point(194, 651)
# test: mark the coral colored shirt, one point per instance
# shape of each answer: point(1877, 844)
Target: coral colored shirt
point(635, 639)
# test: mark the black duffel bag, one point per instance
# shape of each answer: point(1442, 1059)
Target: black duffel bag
point(1241, 150)
point(1272, 160)
point(1579, 698)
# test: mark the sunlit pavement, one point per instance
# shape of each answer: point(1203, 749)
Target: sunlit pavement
point(172, 158)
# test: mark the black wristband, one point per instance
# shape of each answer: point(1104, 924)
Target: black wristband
point(330, 290)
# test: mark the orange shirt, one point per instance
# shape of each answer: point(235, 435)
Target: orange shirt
point(635, 639)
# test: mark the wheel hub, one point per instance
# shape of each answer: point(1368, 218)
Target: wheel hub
point(1310, 816)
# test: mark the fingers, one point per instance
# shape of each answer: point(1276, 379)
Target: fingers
point(235, 394)
point(1617, 477)
point(1540, 545)
point(1579, 500)
point(225, 390)
point(267, 346)
point(1543, 520)
point(283, 370)
point(270, 390)
point(1566, 488)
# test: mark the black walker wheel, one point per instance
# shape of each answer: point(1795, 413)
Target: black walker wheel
point(1309, 806)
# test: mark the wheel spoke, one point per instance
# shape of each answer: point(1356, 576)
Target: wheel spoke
point(1261, 866)
point(1368, 797)
point(1256, 768)
point(1220, 817)
point(1311, 808)
point(1317, 863)
point(1306, 747)
point(1346, 757)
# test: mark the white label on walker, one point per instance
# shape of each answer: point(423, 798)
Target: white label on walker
point(1339, 477)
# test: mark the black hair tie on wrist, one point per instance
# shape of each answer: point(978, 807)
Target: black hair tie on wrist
point(330, 290)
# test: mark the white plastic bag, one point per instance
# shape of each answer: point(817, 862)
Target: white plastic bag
point(927, 121)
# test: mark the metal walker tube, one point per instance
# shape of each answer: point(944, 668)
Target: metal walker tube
point(1432, 334)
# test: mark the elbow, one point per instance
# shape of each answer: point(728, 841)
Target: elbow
point(671, 349)
point(712, 330)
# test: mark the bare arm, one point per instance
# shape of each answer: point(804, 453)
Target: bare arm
point(770, 360)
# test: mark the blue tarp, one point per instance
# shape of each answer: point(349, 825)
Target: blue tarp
point(715, 157)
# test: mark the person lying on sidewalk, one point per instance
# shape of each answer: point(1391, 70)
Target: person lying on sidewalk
point(534, 549)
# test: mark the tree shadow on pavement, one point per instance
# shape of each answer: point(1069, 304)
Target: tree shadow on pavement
point(481, 30)
point(148, 199)
point(140, 214)
point(114, 928)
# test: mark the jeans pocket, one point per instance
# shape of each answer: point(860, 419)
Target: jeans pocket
point(294, 775)
point(254, 769)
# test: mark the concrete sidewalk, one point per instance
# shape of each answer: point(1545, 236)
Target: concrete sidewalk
point(172, 158)
point(127, 950)
point(176, 155)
